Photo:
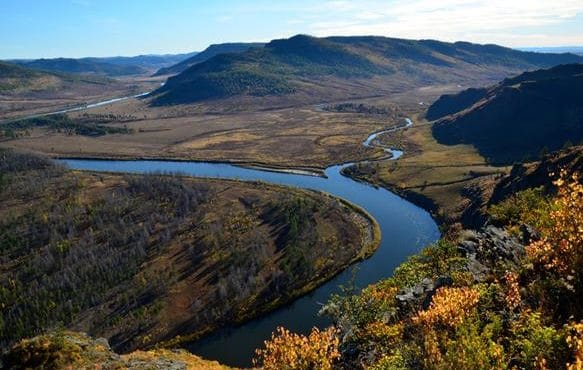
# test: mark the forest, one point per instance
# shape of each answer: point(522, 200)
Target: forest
point(140, 259)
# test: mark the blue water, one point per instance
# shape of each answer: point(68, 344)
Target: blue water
point(405, 229)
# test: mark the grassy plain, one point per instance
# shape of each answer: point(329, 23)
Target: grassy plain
point(51, 93)
point(436, 176)
point(298, 136)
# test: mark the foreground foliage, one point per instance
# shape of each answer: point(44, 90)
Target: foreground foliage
point(71, 350)
point(525, 315)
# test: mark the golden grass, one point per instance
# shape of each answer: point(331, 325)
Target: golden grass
point(437, 171)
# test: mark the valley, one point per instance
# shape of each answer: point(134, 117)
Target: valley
point(233, 199)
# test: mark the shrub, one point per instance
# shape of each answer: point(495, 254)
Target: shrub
point(560, 251)
point(286, 350)
point(449, 307)
point(529, 206)
point(534, 344)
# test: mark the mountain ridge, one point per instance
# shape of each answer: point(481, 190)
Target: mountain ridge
point(307, 65)
point(537, 111)
point(209, 52)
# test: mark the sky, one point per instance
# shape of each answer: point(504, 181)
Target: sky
point(78, 28)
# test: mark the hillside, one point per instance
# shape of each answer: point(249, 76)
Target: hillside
point(149, 61)
point(317, 68)
point(83, 66)
point(25, 91)
point(518, 118)
point(141, 259)
point(497, 297)
point(211, 51)
point(16, 79)
point(72, 350)
point(106, 66)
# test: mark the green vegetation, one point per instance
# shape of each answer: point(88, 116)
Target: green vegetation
point(60, 123)
point(211, 85)
point(211, 51)
point(119, 255)
point(308, 64)
point(530, 206)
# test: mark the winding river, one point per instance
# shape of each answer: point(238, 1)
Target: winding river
point(405, 229)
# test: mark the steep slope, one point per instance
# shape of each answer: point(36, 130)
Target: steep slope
point(321, 67)
point(517, 118)
point(211, 51)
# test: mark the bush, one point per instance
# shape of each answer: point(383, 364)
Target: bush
point(285, 350)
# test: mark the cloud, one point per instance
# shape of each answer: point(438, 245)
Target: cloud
point(504, 21)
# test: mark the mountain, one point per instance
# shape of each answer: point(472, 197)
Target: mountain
point(85, 66)
point(106, 66)
point(319, 68)
point(211, 51)
point(16, 79)
point(149, 61)
point(556, 49)
point(518, 118)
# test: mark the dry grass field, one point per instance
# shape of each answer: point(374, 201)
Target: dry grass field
point(302, 136)
point(51, 94)
point(437, 172)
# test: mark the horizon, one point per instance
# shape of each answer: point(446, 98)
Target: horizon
point(87, 28)
point(543, 49)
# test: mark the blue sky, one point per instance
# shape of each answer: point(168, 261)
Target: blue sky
point(76, 28)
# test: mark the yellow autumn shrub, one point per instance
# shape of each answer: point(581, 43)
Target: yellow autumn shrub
point(560, 250)
point(449, 307)
point(575, 342)
point(290, 351)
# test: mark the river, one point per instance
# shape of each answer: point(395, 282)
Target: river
point(405, 229)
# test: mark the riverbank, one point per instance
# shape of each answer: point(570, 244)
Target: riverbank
point(444, 180)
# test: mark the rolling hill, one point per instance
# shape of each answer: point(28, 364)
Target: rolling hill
point(16, 79)
point(69, 65)
point(354, 66)
point(106, 66)
point(517, 118)
point(206, 54)
point(149, 61)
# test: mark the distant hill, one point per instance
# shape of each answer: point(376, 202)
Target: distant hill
point(556, 49)
point(18, 79)
point(518, 118)
point(69, 65)
point(149, 61)
point(206, 54)
point(106, 66)
point(363, 65)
